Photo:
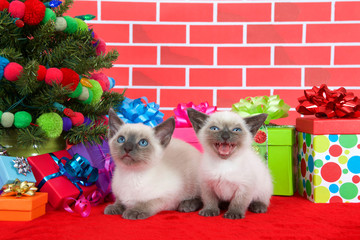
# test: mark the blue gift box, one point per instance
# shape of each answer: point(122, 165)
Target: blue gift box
point(8, 173)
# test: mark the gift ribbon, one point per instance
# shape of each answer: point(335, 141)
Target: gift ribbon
point(181, 116)
point(81, 206)
point(22, 165)
point(135, 111)
point(19, 189)
point(272, 105)
point(78, 170)
point(325, 103)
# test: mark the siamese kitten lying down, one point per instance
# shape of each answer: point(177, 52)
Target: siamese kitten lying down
point(230, 170)
point(153, 172)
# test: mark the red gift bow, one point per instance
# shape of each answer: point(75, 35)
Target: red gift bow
point(325, 103)
point(181, 117)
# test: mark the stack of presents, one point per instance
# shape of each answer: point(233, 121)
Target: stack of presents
point(319, 157)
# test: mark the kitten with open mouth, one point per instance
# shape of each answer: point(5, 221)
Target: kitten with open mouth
point(230, 171)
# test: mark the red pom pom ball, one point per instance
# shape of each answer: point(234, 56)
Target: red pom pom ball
point(78, 119)
point(53, 75)
point(34, 12)
point(12, 71)
point(71, 78)
point(3, 5)
point(17, 9)
point(103, 80)
point(41, 73)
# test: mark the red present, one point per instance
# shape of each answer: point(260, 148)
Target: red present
point(323, 126)
point(59, 188)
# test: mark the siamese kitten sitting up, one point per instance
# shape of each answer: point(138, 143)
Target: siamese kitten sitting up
point(230, 171)
point(153, 172)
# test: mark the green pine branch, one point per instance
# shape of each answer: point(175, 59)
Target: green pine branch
point(27, 82)
point(31, 136)
point(64, 7)
point(87, 133)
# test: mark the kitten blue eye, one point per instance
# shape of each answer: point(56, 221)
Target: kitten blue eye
point(237, 130)
point(214, 128)
point(143, 143)
point(121, 139)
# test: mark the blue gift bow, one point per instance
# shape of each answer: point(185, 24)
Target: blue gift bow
point(77, 170)
point(135, 111)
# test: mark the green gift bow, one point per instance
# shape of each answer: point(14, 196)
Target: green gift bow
point(272, 105)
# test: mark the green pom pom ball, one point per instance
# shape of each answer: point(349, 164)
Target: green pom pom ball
point(77, 91)
point(22, 119)
point(51, 124)
point(71, 24)
point(96, 90)
point(49, 15)
point(82, 26)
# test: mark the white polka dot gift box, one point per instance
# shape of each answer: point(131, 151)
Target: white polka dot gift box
point(329, 159)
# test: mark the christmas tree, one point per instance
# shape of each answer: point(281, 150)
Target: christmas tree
point(50, 84)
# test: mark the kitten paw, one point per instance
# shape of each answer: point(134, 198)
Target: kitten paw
point(132, 214)
point(190, 205)
point(234, 215)
point(114, 209)
point(208, 212)
point(257, 207)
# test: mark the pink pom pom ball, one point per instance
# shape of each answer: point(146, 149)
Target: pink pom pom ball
point(53, 75)
point(17, 9)
point(103, 80)
point(78, 119)
point(12, 71)
point(101, 47)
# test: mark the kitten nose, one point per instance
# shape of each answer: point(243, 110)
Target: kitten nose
point(128, 147)
point(225, 135)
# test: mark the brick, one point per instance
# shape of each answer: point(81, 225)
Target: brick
point(301, 11)
point(159, 76)
point(121, 75)
point(135, 54)
point(332, 76)
point(244, 55)
point(128, 11)
point(302, 55)
point(187, 55)
point(318, 33)
point(347, 11)
point(78, 8)
point(135, 93)
point(118, 33)
point(172, 97)
point(273, 77)
point(219, 77)
point(167, 113)
point(290, 120)
point(274, 34)
point(159, 33)
point(186, 12)
point(347, 55)
point(290, 97)
point(216, 34)
point(226, 98)
point(244, 12)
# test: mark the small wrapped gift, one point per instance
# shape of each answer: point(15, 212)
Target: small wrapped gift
point(183, 128)
point(12, 168)
point(276, 144)
point(329, 154)
point(99, 157)
point(20, 202)
point(136, 111)
point(63, 176)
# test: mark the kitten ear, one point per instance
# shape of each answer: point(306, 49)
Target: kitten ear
point(255, 122)
point(165, 130)
point(114, 123)
point(197, 118)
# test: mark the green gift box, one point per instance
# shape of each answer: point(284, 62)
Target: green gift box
point(278, 146)
point(279, 153)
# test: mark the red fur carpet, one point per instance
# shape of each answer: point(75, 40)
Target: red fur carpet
point(287, 218)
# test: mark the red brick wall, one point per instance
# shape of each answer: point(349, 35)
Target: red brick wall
point(221, 51)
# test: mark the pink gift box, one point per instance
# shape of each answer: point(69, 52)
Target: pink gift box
point(188, 135)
